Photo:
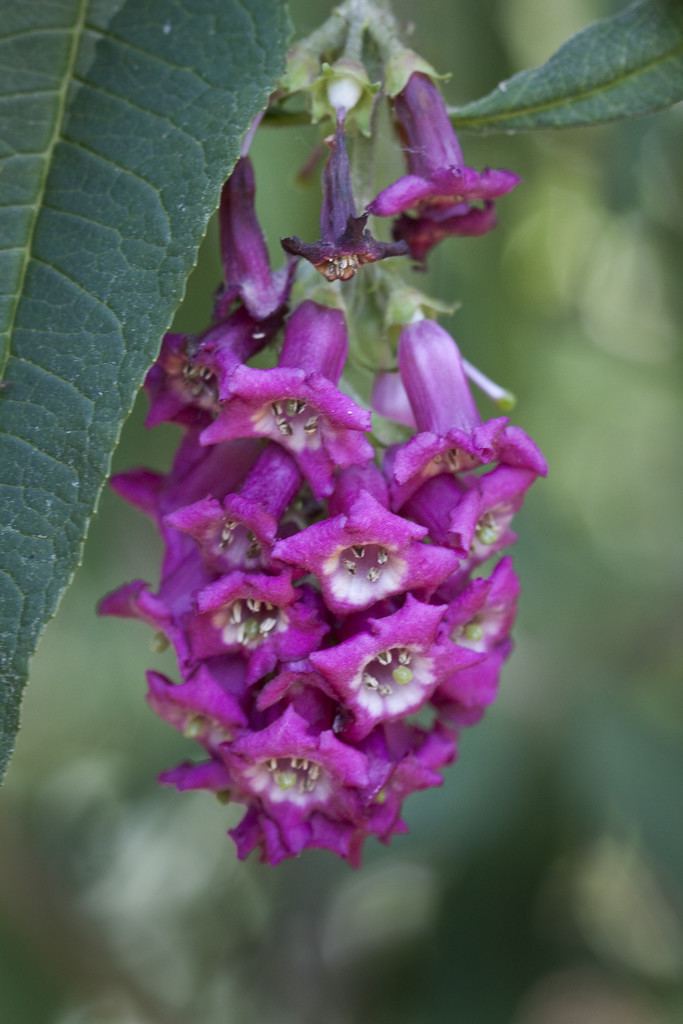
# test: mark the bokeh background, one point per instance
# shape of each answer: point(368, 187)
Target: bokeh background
point(543, 884)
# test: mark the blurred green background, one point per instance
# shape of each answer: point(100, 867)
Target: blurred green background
point(544, 883)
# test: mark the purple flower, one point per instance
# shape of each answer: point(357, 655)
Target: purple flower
point(183, 385)
point(463, 699)
point(366, 554)
point(424, 231)
point(473, 513)
point(240, 530)
point(501, 494)
point(206, 708)
point(212, 775)
point(389, 669)
point(297, 404)
point(169, 611)
point(390, 399)
point(278, 841)
point(403, 759)
point(480, 618)
point(303, 787)
point(248, 276)
point(290, 767)
point(439, 184)
point(449, 510)
point(196, 472)
point(345, 243)
point(306, 789)
point(292, 682)
point(315, 601)
point(451, 437)
point(263, 617)
point(482, 615)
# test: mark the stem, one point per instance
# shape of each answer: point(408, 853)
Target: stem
point(383, 27)
point(375, 17)
point(358, 23)
point(328, 37)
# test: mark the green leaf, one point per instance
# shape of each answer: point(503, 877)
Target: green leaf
point(619, 67)
point(119, 121)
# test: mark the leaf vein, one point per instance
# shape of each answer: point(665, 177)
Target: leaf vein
point(61, 30)
point(125, 43)
point(10, 96)
point(69, 140)
point(87, 220)
point(79, 287)
point(57, 127)
point(96, 87)
point(56, 376)
point(24, 442)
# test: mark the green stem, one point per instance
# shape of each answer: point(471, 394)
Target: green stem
point(383, 27)
point(329, 37)
point(357, 17)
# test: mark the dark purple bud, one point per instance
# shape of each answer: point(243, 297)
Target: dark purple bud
point(345, 243)
point(245, 256)
point(425, 128)
point(439, 187)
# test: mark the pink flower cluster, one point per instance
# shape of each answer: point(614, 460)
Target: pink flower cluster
point(332, 627)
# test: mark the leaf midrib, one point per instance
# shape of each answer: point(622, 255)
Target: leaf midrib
point(553, 104)
point(46, 156)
